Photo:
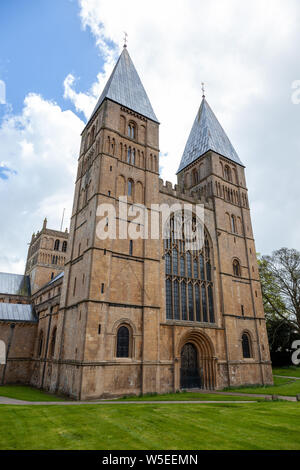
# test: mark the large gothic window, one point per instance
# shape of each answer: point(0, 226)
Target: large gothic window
point(189, 285)
point(123, 342)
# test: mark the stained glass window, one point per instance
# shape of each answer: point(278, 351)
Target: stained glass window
point(189, 279)
point(169, 299)
point(183, 301)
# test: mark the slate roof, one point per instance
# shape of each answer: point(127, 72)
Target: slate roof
point(58, 276)
point(125, 87)
point(17, 312)
point(207, 134)
point(14, 284)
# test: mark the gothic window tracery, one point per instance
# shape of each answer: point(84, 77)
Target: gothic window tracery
point(189, 285)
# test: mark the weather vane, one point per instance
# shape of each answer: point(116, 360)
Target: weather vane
point(125, 39)
point(203, 90)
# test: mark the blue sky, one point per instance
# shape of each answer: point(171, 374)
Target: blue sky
point(56, 56)
point(42, 41)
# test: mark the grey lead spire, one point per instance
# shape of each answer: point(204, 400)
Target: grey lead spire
point(124, 86)
point(207, 134)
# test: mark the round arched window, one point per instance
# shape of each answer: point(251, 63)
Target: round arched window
point(123, 342)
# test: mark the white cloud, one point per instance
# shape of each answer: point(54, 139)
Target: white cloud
point(41, 145)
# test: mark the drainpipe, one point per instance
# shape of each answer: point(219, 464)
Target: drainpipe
point(46, 349)
point(12, 327)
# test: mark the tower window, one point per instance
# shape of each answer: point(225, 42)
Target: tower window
point(195, 177)
point(246, 346)
point(130, 247)
point(130, 187)
point(56, 245)
point(227, 173)
point(74, 287)
point(64, 247)
point(123, 342)
point(131, 131)
point(233, 224)
point(236, 268)
point(102, 288)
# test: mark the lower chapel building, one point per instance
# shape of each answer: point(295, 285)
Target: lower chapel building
point(97, 318)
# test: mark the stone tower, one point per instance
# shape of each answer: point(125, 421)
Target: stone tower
point(112, 282)
point(46, 256)
point(211, 169)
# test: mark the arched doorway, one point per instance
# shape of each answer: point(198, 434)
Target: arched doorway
point(197, 362)
point(189, 370)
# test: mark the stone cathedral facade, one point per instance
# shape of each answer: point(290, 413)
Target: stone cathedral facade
point(132, 316)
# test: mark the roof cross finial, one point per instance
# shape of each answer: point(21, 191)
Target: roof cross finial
point(125, 39)
point(203, 90)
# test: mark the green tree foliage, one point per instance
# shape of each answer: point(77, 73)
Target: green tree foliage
point(280, 280)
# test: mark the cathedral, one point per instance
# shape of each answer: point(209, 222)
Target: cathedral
point(97, 316)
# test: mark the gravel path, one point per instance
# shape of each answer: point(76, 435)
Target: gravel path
point(11, 401)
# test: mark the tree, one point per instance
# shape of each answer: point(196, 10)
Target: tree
point(280, 281)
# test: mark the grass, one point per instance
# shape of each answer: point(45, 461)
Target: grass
point(269, 426)
point(291, 371)
point(282, 386)
point(24, 392)
point(188, 396)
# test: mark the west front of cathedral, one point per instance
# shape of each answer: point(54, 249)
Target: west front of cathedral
point(101, 317)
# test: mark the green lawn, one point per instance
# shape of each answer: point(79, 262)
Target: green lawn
point(282, 386)
point(24, 392)
point(292, 371)
point(189, 396)
point(273, 425)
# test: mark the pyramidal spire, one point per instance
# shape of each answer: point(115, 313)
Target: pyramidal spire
point(124, 86)
point(207, 134)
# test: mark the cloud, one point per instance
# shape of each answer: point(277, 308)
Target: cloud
point(41, 145)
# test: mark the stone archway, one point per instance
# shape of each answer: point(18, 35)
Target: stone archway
point(197, 361)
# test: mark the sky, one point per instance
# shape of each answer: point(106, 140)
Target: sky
point(55, 58)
